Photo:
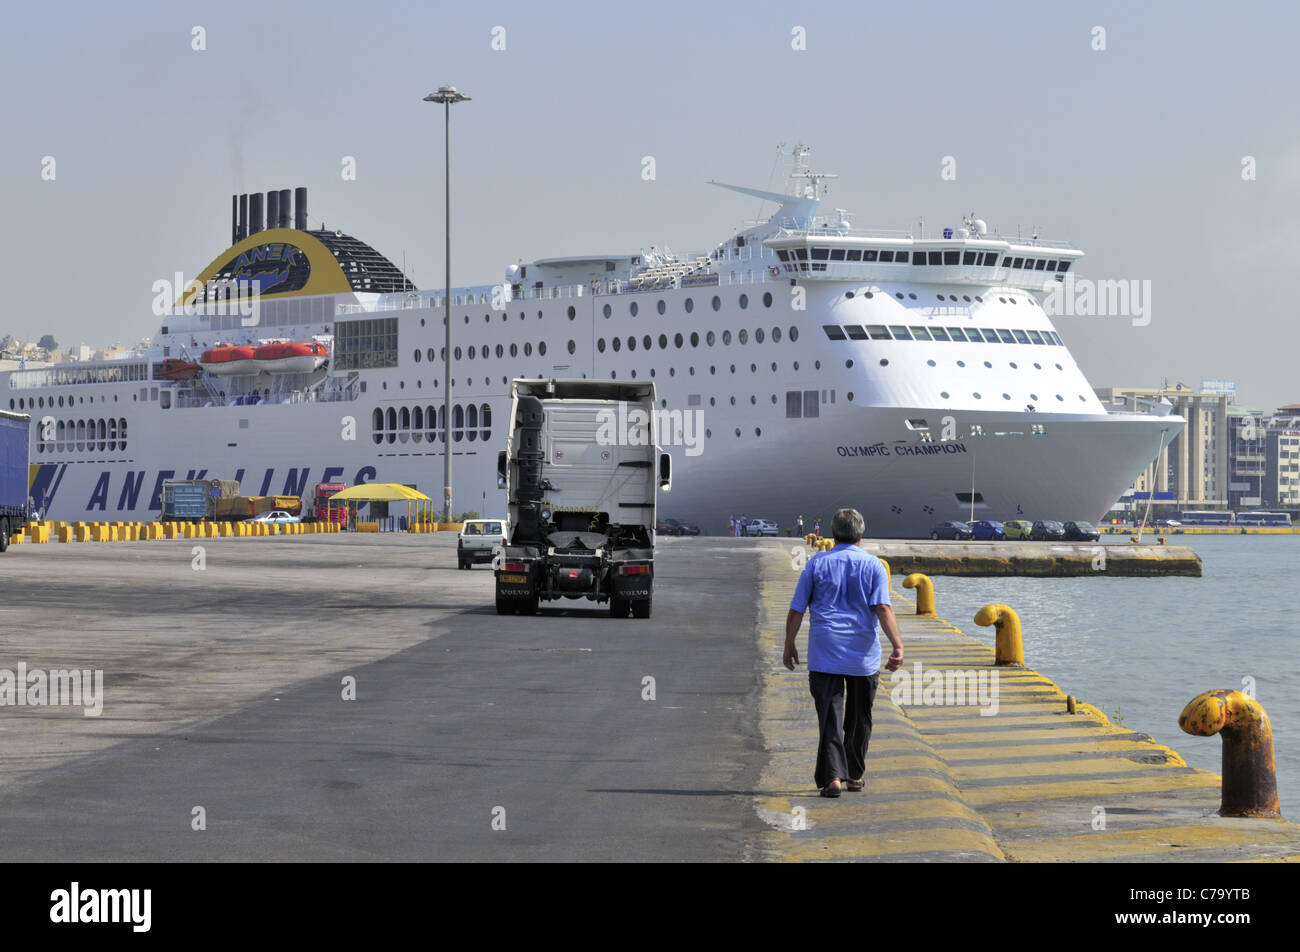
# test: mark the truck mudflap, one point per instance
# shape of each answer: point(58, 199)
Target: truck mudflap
point(516, 580)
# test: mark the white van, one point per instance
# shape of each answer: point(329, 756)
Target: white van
point(477, 541)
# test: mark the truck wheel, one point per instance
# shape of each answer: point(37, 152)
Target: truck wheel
point(504, 607)
point(4, 534)
point(641, 609)
point(618, 607)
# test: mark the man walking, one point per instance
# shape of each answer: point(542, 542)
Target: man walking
point(848, 591)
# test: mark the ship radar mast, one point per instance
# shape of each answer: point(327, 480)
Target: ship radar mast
point(812, 187)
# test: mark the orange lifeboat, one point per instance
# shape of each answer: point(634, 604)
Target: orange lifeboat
point(227, 360)
point(290, 357)
point(173, 368)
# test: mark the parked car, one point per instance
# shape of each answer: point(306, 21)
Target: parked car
point(761, 527)
point(674, 527)
point(951, 530)
point(1081, 532)
point(478, 540)
point(1017, 528)
point(987, 529)
point(1047, 530)
point(275, 517)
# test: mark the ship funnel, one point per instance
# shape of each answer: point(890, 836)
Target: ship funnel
point(273, 209)
point(243, 216)
point(234, 219)
point(300, 209)
point(255, 213)
point(283, 219)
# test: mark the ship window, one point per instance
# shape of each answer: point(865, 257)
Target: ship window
point(366, 344)
point(968, 257)
point(853, 254)
point(689, 305)
point(457, 423)
point(1036, 337)
point(950, 257)
point(820, 254)
point(871, 254)
point(606, 310)
point(833, 331)
point(726, 337)
point(939, 333)
point(709, 338)
point(631, 345)
point(899, 332)
point(885, 255)
point(900, 257)
point(677, 339)
point(744, 301)
point(541, 348)
point(837, 254)
point(1005, 336)
point(801, 254)
point(936, 257)
point(990, 335)
point(742, 337)
point(884, 361)
point(1040, 264)
point(782, 254)
point(1063, 267)
point(632, 308)
point(810, 404)
point(661, 307)
point(695, 339)
point(1018, 263)
point(600, 345)
point(616, 343)
point(1056, 339)
point(647, 342)
point(717, 303)
point(776, 336)
point(856, 331)
point(767, 299)
point(899, 295)
point(966, 497)
point(794, 336)
point(919, 258)
point(1021, 337)
point(920, 333)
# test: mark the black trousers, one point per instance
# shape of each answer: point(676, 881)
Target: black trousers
point(844, 714)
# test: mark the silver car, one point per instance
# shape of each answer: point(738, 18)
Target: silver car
point(761, 527)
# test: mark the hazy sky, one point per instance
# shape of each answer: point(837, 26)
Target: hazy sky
point(1133, 153)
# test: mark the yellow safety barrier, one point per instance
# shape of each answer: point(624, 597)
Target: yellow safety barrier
point(17, 538)
point(1009, 643)
point(924, 592)
point(367, 527)
point(1249, 774)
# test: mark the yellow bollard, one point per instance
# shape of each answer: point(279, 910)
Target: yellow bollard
point(1249, 775)
point(924, 592)
point(1009, 643)
point(889, 581)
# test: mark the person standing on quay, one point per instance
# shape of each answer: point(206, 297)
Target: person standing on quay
point(848, 591)
point(799, 527)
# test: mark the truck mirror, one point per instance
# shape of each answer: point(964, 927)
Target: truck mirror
point(501, 469)
point(665, 472)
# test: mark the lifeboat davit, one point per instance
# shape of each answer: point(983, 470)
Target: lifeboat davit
point(173, 368)
point(227, 360)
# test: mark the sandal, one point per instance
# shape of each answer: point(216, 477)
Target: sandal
point(855, 786)
point(832, 789)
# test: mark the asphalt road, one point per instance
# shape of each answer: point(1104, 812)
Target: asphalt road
point(472, 737)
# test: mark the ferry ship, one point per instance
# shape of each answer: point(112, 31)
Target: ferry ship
point(802, 365)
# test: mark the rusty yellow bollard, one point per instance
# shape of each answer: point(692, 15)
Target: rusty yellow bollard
point(1009, 644)
point(924, 592)
point(1249, 775)
point(888, 572)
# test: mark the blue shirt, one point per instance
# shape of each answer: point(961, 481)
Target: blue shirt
point(842, 586)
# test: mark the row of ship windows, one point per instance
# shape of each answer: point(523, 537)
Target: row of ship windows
point(688, 305)
point(710, 338)
point(84, 435)
point(32, 403)
point(485, 351)
point(979, 259)
point(416, 424)
point(980, 335)
point(753, 369)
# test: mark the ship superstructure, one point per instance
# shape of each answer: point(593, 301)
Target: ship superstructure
point(802, 365)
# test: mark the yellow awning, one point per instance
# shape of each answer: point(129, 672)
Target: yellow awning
point(378, 492)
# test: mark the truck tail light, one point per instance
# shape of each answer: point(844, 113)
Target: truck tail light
point(634, 570)
point(515, 567)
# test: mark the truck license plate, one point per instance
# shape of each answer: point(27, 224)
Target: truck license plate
point(515, 579)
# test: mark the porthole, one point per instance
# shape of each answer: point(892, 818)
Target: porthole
point(1033, 396)
point(647, 342)
point(758, 335)
point(539, 315)
point(743, 336)
point(606, 310)
point(678, 340)
point(661, 307)
point(929, 363)
point(1038, 366)
point(600, 345)
point(514, 349)
point(695, 339)
point(572, 312)
point(652, 371)
point(942, 298)
point(868, 295)
point(1059, 367)
point(663, 341)
point(796, 365)
point(774, 366)
point(634, 375)
point(1082, 398)
point(966, 298)
point(817, 365)
point(753, 368)
point(899, 295)
point(767, 299)
point(733, 368)
point(912, 295)
point(774, 398)
point(631, 343)
point(713, 401)
point(961, 363)
point(776, 335)
point(717, 303)
point(884, 361)
point(456, 353)
point(692, 371)
point(528, 349)
point(1061, 398)
point(708, 434)
point(848, 364)
point(1013, 365)
point(1012, 300)
point(726, 337)
point(1003, 300)
point(713, 369)
point(429, 354)
point(758, 431)
point(500, 350)
point(1006, 396)
point(689, 305)
point(942, 393)
point(466, 318)
point(709, 338)
point(850, 396)
point(979, 299)
point(988, 365)
point(794, 334)
point(632, 308)
point(572, 346)
point(487, 318)
point(615, 342)
point(977, 396)
point(733, 401)
point(737, 432)
point(744, 301)
point(541, 348)
point(848, 294)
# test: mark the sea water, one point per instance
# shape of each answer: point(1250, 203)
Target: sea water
point(1141, 648)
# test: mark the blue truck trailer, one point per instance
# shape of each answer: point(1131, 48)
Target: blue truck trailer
point(13, 473)
point(185, 500)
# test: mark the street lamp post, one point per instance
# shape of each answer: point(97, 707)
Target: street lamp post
point(447, 95)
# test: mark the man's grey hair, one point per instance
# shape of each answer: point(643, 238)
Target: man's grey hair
point(848, 526)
